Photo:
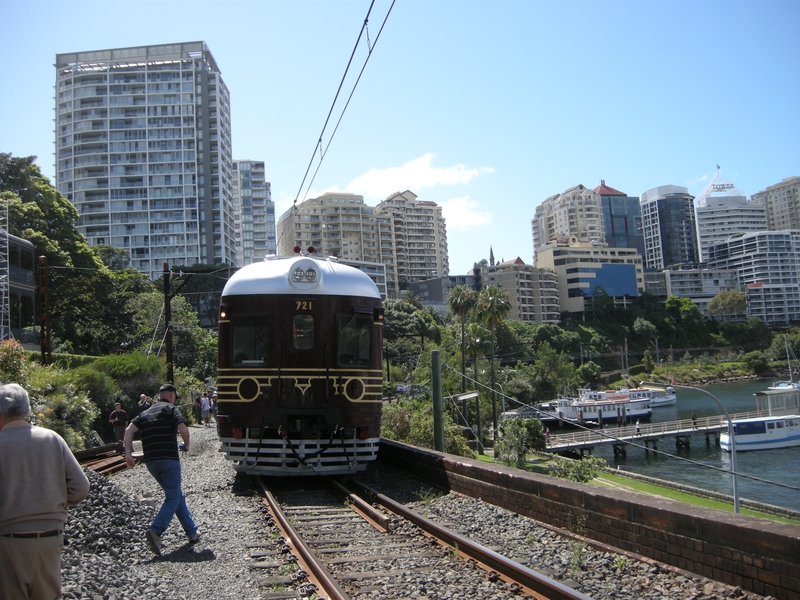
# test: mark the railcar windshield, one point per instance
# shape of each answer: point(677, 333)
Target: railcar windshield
point(250, 340)
point(355, 340)
point(303, 332)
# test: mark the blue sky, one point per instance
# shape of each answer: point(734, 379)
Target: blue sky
point(485, 107)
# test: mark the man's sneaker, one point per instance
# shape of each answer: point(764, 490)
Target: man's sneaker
point(154, 541)
point(193, 539)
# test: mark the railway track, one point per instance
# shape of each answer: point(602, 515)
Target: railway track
point(346, 547)
point(102, 459)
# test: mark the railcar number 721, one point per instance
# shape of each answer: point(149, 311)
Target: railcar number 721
point(303, 305)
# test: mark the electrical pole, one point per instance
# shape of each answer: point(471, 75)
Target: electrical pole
point(168, 320)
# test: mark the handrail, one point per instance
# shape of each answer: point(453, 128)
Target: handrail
point(609, 435)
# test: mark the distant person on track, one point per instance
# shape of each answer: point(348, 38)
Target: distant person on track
point(205, 409)
point(39, 479)
point(158, 427)
point(119, 419)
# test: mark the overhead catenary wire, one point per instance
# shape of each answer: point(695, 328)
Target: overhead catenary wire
point(318, 143)
point(350, 97)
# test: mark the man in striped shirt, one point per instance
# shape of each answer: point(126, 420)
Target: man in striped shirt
point(158, 426)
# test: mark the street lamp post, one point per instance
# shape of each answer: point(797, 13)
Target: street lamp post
point(503, 393)
point(730, 432)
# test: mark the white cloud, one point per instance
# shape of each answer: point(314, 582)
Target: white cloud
point(414, 175)
point(461, 213)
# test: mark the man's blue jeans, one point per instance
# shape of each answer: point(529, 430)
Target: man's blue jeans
point(168, 475)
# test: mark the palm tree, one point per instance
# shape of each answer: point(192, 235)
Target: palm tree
point(477, 342)
point(493, 305)
point(461, 301)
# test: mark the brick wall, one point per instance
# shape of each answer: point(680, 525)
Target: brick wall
point(759, 555)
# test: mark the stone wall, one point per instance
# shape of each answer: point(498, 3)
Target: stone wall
point(759, 555)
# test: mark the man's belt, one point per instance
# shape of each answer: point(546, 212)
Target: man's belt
point(33, 534)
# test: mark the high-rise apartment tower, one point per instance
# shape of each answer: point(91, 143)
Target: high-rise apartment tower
point(254, 212)
point(143, 151)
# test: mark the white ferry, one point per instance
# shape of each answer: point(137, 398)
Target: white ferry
point(593, 408)
point(763, 433)
point(665, 397)
point(780, 428)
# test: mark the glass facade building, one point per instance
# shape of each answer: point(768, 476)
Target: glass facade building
point(669, 227)
point(622, 218)
point(143, 151)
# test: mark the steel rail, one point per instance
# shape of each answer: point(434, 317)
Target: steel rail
point(376, 518)
point(306, 557)
point(535, 583)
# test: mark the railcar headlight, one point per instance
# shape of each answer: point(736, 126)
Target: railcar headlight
point(311, 274)
point(298, 274)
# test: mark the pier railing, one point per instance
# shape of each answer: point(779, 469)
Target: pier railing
point(610, 434)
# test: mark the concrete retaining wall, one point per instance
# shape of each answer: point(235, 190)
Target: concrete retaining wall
point(760, 555)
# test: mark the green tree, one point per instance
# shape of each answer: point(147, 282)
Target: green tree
point(728, 305)
point(516, 439)
point(493, 305)
point(87, 316)
point(461, 301)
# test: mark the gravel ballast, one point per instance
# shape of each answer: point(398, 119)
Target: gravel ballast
point(106, 556)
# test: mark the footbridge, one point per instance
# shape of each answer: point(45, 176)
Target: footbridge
point(583, 441)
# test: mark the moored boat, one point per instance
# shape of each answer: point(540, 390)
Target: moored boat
point(780, 428)
point(665, 397)
point(591, 408)
point(763, 433)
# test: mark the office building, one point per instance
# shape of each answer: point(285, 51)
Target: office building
point(576, 212)
point(781, 203)
point(669, 227)
point(254, 212)
point(768, 270)
point(722, 210)
point(582, 267)
point(436, 292)
point(143, 152)
point(622, 218)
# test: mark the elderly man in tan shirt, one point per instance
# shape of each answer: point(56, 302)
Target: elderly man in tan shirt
point(39, 479)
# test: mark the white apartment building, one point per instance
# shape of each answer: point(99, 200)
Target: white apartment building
point(533, 292)
point(669, 227)
point(143, 152)
point(577, 212)
point(420, 238)
point(722, 210)
point(768, 267)
point(700, 285)
point(781, 203)
point(254, 212)
point(335, 224)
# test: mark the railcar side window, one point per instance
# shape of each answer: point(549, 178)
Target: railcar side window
point(303, 332)
point(250, 340)
point(355, 340)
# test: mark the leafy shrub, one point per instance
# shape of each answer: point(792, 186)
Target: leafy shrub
point(57, 404)
point(517, 437)
point(411, 422)
point(14, 363)
point(581, 470)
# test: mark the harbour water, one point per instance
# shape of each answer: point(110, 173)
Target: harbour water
point(780, 466)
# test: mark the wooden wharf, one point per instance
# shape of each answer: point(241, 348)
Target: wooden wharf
point(583, 441)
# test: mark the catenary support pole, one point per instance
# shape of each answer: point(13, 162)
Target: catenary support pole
point(438, 413)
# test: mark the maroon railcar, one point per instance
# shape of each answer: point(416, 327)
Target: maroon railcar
point(299, 374)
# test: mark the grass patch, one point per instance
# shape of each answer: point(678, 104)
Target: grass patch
point(611, 480)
